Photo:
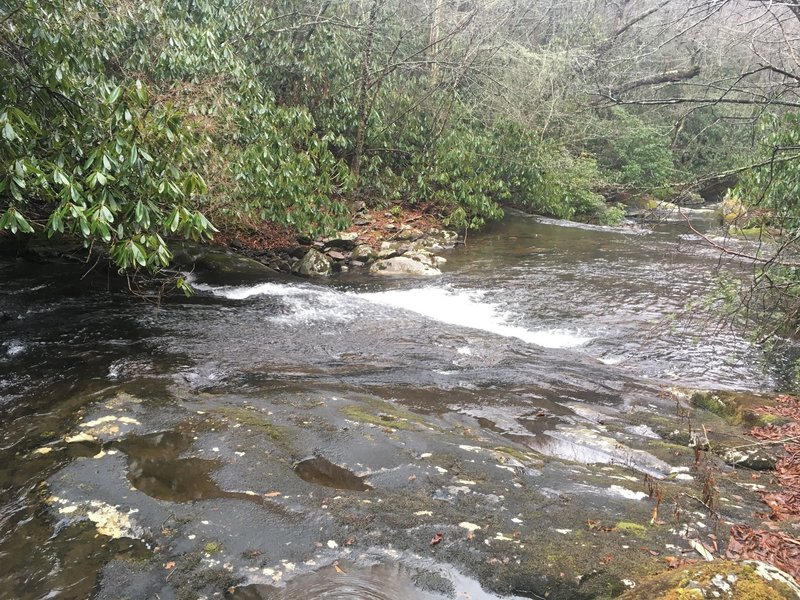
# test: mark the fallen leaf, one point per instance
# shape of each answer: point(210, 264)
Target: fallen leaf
point(700, 548)
point(338, 568)
point(776, 548)
point(437, 538)
point(598, 526)
point(170, 565)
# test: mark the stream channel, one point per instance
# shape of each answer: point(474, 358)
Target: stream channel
point(293, 438)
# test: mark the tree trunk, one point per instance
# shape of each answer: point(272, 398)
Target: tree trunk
point(361, 107)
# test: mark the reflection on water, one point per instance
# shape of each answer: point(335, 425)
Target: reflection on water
point(347, 581)
point(155, 468)
point(321, 471)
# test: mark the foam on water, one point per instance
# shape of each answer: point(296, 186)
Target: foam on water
point(469, 309)
point(248, 291)
point(461, 308)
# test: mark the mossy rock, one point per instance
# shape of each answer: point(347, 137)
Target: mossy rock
point(718, 579)
point(735, 408)
point(732, 209)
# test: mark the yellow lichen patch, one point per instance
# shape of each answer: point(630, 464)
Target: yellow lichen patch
point(723, 579)
point(110, 521)
point(732, 209)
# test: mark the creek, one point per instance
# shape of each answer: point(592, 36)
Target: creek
point(324, 432)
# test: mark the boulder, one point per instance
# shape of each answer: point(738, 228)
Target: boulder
point(449, 236)
point(336, 255)
point(402, 265)
point(359, 206)
point(313, 264)
point(755, 459)
point(409, 234)
point(220, 267)
point(344, 240)
point(388, 250)
point(362, 253)
point(426, 258)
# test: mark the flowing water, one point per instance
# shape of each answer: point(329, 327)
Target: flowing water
point(533, 322)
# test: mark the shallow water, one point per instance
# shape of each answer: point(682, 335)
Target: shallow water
point(529, 320)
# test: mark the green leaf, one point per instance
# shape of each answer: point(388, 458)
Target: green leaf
point(114, 95)
point(9, 133)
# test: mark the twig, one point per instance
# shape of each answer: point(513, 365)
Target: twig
point(768, 442)
point(693, 497)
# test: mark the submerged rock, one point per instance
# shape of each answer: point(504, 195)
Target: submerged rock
point(313, 264)
point(401, 265)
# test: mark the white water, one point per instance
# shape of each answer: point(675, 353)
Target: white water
point(469, 309)
point(461, 308)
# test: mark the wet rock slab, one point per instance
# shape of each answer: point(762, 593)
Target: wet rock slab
point(263, 493)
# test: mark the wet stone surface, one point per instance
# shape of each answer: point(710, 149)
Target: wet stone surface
point(319, 470)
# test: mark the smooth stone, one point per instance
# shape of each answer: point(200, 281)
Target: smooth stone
point(313, 264)
point(401, 265)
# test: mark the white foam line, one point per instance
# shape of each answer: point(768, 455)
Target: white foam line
point(460, 308)
point(466, 309)
point(248, 291)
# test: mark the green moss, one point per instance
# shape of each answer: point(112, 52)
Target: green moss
point(697, 581)
point(384, 419)
point(212, 547)
point(256, 420)
point(769, 419)
point(651, 203)
point(629, 528)
point(735, 408)
point(514, 453)
point(379, 412)
point(749, 232)
point(732, 209)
